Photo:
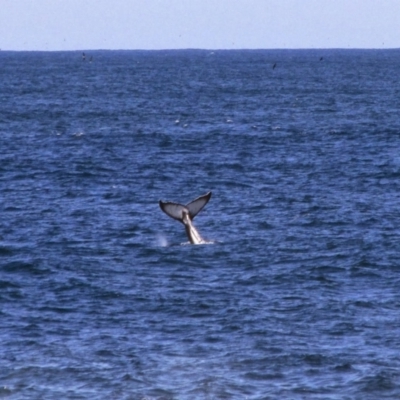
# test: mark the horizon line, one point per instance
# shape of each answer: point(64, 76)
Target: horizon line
point(210, 49)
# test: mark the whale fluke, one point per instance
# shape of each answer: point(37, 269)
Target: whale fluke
point(186, 213)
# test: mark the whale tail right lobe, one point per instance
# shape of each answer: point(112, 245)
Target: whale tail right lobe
point(198, 204)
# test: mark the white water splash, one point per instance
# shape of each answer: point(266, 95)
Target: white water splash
point(161, 241)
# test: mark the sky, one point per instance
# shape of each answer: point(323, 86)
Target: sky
point(201, 24)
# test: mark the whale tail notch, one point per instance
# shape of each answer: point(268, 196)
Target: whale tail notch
point(177, 211)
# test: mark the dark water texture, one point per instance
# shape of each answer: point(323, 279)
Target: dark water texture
point(299, 299)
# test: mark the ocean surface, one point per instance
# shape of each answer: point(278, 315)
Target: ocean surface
point(101, 297)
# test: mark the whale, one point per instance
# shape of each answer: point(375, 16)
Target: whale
point(185, 215)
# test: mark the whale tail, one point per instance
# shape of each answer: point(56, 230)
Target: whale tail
point(177, 211)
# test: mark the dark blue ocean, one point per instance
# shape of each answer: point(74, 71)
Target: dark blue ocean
point(299, 296)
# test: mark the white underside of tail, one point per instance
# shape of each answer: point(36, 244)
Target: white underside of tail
point(193, 234)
